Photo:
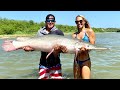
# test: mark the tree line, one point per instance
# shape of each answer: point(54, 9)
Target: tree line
point(10, 26)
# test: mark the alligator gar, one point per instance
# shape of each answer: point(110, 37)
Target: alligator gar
point(47, 43)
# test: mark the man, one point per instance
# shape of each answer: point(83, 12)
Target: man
point(50, 67)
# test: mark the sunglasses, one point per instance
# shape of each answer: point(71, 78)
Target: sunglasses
point(48, 20)
point(79, 21)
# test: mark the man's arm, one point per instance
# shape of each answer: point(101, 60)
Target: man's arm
point(59, 32)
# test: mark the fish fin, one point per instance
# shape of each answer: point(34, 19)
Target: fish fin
point(57, 49)
point(49, 53)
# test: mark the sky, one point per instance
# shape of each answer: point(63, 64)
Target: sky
point(97, 19)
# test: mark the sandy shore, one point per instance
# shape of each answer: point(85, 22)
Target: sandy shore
point(14, 36)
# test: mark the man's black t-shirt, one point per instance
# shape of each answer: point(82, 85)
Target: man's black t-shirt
point(51, 61)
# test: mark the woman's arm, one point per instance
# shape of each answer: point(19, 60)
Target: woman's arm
point(92, 36)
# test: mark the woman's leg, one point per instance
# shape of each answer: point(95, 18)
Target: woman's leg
point(86, 70)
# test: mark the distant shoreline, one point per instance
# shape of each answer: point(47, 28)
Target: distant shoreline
point(22, 35)
point(14, 36)
point(29, 35)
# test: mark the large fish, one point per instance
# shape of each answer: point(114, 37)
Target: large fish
point(47, 43)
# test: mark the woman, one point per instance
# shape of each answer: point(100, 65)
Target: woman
point(82, 63)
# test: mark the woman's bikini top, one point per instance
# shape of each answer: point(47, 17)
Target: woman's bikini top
point(85, 38)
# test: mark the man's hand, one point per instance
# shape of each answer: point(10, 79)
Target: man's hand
point(28, 48)
point(60, 48)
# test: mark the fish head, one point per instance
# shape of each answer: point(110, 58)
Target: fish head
point(89, 46)
point(79, 45)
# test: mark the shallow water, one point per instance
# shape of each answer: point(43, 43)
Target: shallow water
point(105, 63)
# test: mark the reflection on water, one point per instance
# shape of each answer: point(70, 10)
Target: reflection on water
point(105, 63)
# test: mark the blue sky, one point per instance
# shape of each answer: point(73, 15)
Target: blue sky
point(98, 19)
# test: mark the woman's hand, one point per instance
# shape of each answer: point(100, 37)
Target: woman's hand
point(82, 49)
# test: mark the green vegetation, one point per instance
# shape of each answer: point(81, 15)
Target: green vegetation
point(21, 27)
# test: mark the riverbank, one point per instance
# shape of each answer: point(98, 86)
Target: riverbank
point(29, 35)
point(22, 35)
point(16, 35)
